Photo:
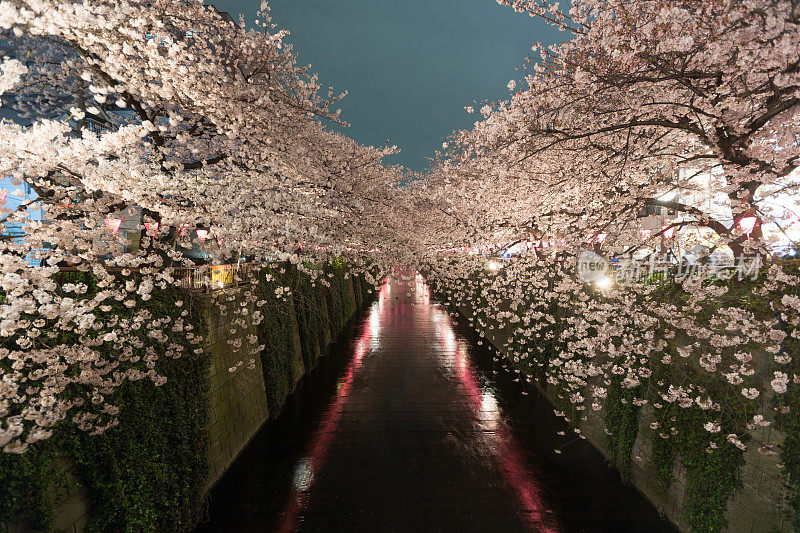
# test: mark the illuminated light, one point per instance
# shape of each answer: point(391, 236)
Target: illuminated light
point(747, 224)
point(668, 232)
point(601, 237)
point(645, 233)
point(202, 234)
point(493, 265)
point(303, 475)
point(113, 224)
point(603, 283)
point(151, 228)
point(318, 448)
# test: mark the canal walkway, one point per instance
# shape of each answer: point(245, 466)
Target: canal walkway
point(402, 430)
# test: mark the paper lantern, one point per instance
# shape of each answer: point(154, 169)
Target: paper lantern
point(747, 224)
point(113, 224)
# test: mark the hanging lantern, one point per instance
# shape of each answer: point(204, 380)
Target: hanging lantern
point(113, 224)
point(202, 234)
point(151, 228)
point(746, 224)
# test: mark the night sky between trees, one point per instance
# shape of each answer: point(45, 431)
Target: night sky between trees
point(409, 67)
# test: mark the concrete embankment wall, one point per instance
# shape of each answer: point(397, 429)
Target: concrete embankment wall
point(174, 442)
point(247, 386)
point(759, 507)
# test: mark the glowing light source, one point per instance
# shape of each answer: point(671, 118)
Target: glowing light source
point(493, 265)
point(601, 237)
point(603, 283)
point(202, 234)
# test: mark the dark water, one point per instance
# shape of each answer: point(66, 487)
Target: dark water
point(407, 426)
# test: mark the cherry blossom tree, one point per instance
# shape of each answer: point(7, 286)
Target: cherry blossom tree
point(225, 134)
point(637, 92)
point(639, 100)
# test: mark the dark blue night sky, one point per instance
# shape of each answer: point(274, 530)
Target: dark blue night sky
point(410, 66)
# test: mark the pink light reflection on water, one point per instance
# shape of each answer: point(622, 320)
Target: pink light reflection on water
point(311, 463)
point(499, 440)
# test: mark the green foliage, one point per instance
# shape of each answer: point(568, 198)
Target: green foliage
point(276, 333)
point(788, 408)
point(663, 461)
point(341, 303)
point(310, 319)
point(26, 484)
point(711, 477)
point(622, 422)
point(304, 314)
point(148, 472)
point(790, 454)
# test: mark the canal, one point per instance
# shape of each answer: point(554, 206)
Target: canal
point(409, 425)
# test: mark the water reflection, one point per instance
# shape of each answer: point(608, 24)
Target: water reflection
point(498, 441)
point(314, 459)
point(401, 428)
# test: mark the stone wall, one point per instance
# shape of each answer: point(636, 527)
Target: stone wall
point(760, 506)
point(237, 399)
point(295, 331)
point(239, 382)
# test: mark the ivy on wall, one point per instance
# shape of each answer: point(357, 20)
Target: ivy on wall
point(622, 423)
point(148, 472)
point(304, 320)
point(277, 333)
point(788, 413)
point(145, 474)
point(712, 464)
point(26, 485)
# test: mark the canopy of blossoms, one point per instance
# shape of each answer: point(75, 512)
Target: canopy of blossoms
point(644, 105)
point(222, 148)
point(654, 130)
